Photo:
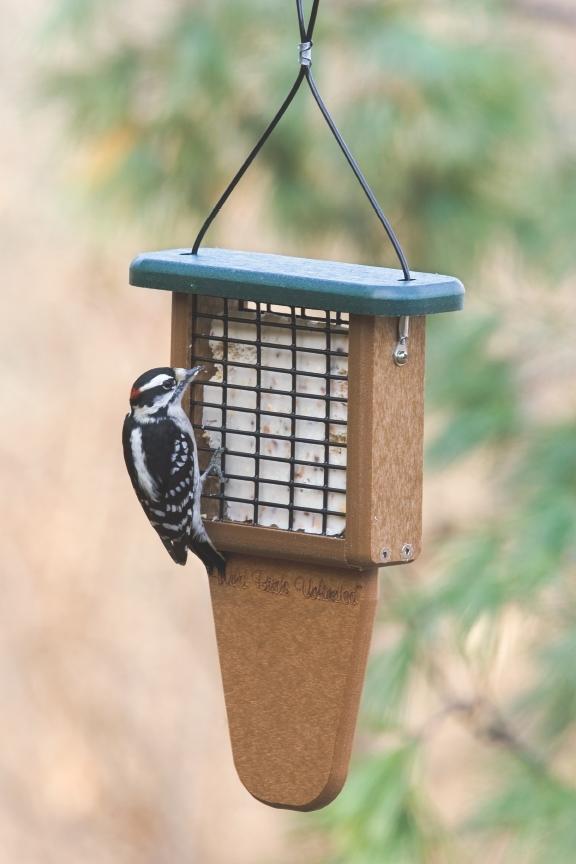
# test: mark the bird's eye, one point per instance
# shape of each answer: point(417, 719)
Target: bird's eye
point(169, 384)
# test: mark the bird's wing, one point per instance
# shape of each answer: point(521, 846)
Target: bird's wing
point(169, 455)
point(160, 460)
point(158, 456)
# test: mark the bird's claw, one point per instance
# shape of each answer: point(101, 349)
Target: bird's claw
point(214, 467)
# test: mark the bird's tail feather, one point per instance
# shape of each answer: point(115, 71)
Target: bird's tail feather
point(178, 551)
point(208, 554)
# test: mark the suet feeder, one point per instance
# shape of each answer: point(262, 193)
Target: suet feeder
point(313, 391)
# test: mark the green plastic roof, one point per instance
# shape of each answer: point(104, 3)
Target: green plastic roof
point(302, 282)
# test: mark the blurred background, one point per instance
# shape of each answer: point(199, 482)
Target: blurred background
point(121, 123)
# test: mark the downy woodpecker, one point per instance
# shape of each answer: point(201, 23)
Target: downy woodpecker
point(162, 460)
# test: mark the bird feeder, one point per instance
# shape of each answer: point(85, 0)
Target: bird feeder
point(313, 393)
point(315, 396)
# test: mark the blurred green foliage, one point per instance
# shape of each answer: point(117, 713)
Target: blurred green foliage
point(167, 114)
point(448, 108)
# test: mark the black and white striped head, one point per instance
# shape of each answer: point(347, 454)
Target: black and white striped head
point(158, 389)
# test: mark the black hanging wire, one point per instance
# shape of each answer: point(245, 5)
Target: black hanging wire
point(305, 73)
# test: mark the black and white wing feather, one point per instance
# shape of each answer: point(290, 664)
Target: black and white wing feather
point(160, 458)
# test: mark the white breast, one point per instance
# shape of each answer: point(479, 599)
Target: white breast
point(181, 419)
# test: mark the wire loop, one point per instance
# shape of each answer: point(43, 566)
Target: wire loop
point(305, 73)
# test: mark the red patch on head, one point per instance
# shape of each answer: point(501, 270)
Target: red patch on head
point(134, 393)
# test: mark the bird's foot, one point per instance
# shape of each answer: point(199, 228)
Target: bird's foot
point(214, 467)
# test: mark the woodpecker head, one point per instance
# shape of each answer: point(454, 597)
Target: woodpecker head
point(158, 389)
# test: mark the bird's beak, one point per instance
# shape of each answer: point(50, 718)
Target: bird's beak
point(184, 377)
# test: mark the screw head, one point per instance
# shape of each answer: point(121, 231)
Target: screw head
point(406, 552)
point(385, 554)
point(401, 355)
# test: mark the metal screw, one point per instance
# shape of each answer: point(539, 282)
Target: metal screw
point(400, 355)
point(406, 552)
point(385, 554)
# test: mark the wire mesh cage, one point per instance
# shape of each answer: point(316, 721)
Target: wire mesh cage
point(276, 404)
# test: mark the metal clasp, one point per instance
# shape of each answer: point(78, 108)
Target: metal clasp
point(305, 53)
point(401, 350)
